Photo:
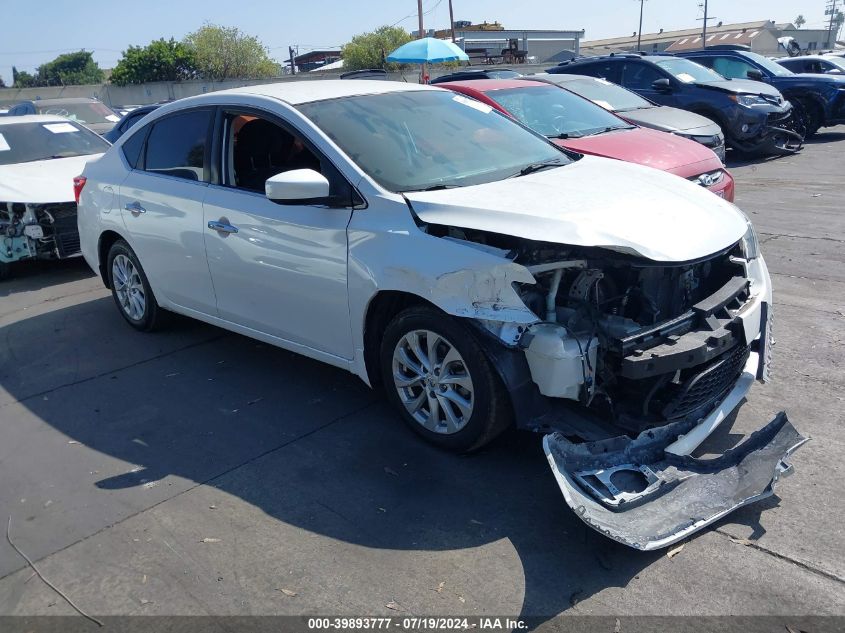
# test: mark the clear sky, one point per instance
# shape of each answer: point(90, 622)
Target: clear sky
point(35, 32)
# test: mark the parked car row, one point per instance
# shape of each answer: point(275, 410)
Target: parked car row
point(452, 246)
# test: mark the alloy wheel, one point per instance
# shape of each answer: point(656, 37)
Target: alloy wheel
point(433, 381)
point(128, 287)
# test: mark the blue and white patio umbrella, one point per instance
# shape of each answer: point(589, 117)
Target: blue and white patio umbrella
point(428, 50)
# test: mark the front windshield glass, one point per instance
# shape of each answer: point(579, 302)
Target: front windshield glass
point(776, 69)
point(839, 62)
point(554, 112)
point(607, 95)
point(28, 142)
point(411, 141)
point(689, 72)
point(90, 112)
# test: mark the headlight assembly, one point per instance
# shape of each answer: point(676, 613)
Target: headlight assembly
point(751, 100)
point(750, 245)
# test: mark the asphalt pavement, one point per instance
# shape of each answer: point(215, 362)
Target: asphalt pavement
point(198, 472)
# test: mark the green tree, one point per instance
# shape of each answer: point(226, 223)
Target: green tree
point(800, 21)
point(22, 79)
point(368, 50)
point(70, 69)
point(222, 52)
point(160, 60)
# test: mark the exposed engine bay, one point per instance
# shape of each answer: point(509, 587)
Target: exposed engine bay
point(37, 231)
point(651, 357)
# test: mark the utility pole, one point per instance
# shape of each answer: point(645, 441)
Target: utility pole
point(452, 21)
point(704, 28)
point(831, 9)
point(420, 13)
point(640, 30)
point(292, 61)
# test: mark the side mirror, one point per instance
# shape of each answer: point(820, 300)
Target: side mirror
point(662, 85)
point(297, 185)
point(754, 74)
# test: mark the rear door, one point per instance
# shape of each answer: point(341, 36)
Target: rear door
point(161, 203)
point(278, 269)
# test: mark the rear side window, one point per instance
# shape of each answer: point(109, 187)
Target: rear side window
point(133, 146)
point(177, 145)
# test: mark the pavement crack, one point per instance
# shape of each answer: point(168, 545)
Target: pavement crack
point(773, 236)
point(805, 566)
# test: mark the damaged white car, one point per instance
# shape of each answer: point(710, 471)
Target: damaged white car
point(482, 275)
point(39, 157)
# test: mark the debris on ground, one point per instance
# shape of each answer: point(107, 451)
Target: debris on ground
point(675, 551)
point(210, 540)
point(393, 606)
point(288, 592)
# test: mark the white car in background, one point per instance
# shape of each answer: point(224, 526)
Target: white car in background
point(482, 275)
point(39, 157)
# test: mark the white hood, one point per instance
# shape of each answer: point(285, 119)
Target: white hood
point(41, 181)
point(594, 202)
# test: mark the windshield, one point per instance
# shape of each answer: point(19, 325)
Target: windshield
point(555, 112)
point(607, 95)
point(28, 142)
point(836, 61)
point(411, 141)
point(89, 112)
point(689, 72)
point(776, 69)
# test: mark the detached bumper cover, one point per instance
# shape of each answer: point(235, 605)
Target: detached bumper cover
point(638, 493)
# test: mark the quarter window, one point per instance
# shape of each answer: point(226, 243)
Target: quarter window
point(177, 144)
point(132, 147)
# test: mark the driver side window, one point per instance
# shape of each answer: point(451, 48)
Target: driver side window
point(257, 149)
point(640, 76)
point(732, 68)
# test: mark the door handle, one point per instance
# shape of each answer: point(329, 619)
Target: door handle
point(222, 227)
point(135, 208)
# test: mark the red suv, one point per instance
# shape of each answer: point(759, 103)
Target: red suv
point(578, 124)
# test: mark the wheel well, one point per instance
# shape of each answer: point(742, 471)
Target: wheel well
point(106, 240)
point(381, 311)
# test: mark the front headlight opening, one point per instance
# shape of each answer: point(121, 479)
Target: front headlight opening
point(750, 244)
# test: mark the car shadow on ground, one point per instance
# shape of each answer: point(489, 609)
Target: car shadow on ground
point(825, 137)
point(37, 275)
point(312, 447)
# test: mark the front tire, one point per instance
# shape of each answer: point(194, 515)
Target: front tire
point(131, 290)
point(440, 380)
point(5, 270)
point(812, 116)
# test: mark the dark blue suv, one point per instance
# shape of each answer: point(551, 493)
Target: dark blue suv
point(754, 117)
point(818, 99)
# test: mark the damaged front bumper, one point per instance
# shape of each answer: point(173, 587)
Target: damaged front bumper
point(649, 492)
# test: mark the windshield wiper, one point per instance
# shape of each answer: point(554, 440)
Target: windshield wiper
point(565, 135)
point(533, 167)
point(432, 188)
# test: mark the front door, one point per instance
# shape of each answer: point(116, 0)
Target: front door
point(277, 269)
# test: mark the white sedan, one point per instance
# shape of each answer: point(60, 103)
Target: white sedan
point(481, 275)
point(39, 157)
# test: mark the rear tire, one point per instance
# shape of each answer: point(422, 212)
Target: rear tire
point(441, 382)
point(131, 290)
point(812, 116)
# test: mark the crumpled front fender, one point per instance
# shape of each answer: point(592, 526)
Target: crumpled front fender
point(637, 493)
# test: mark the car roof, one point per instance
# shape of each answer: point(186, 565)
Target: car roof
point(33, 118)
point(488, 85)
point(306, 91)
point(825, 58)
point(64, 100)
point(558, 77)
